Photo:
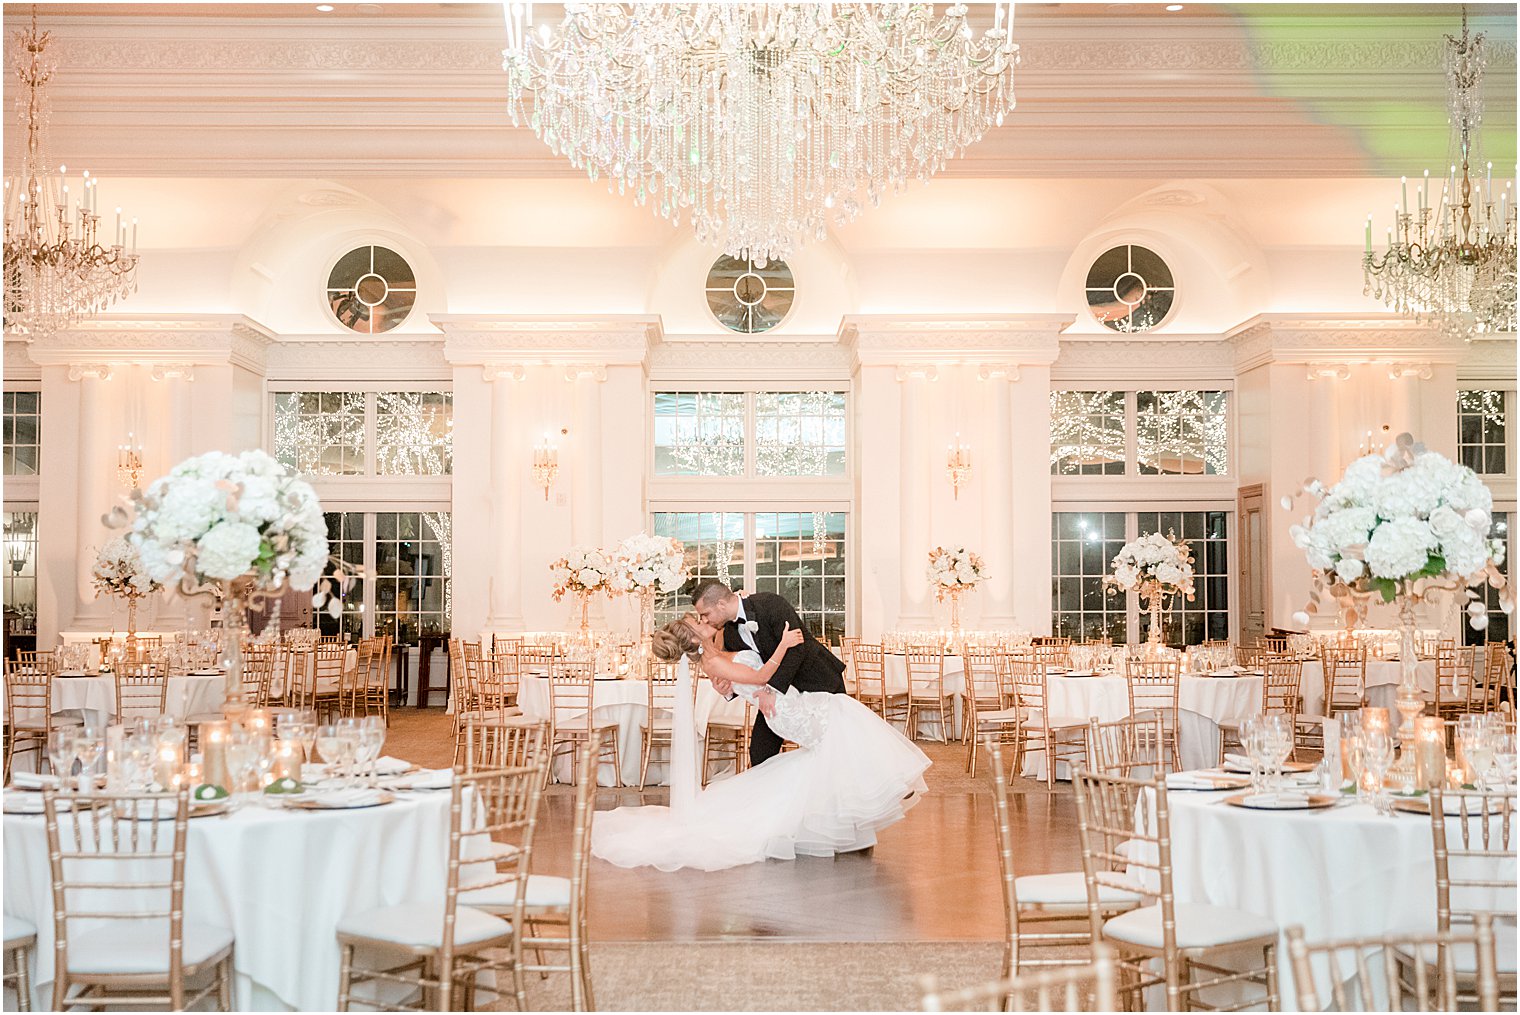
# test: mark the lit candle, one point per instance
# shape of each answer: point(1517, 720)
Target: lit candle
point(214, 737)
point(1403, 188)
point(1430, 751)
point(1425, 194)
point(1369, 234)
point(287, 761)
point(168, 762)
point(256, 720)
point(190, 776)
point(1375, 719)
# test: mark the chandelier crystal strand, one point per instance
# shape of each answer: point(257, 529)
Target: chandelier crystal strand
point(1452, 261)
point(761, 124)
point(58, 267)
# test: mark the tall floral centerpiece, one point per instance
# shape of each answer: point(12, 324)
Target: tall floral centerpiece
point(646, 566)
point(119, 572)
point(1400, 526)
point(1155, 567)
point(583, 572)
point(240, 526)
point(952, 573)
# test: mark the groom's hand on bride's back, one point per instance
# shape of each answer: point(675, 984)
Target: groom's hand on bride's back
point(722, 686)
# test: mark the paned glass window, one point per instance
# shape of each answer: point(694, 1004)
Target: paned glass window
point(1483, 431)
point(23, 432)
point(1130, 289)
point(413, 567)
point(1182, 433)
point(20, 572)
point(414, 433)
point(1498, 621)
point(1207, 617)
point(358, 433)
point(699, 433)
point(714, 542)
point(371, 290)
point(1082, 545)
point(749, 296)
point(799, 433)
point(1087, 433)
point(345, 540)
point(320, 433)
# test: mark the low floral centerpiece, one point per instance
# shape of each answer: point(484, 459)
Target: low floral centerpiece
point(240, 526)
point(952, 573)
point(1399, 526)
point(583, 572)
point(1154, 567)
point(119, 572)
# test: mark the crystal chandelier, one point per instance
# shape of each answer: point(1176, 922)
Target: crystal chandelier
point(1452, 263)
point(760, 123)
point(56, 268)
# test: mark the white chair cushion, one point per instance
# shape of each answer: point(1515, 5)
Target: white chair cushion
point(1000, 715)
point(1035, 716)
point(578, 722)
point(38, 725)
point(1198, 926)
point(1067, 889)
point(142, 946)
point(544, 891)
point(1466, 957)
point(420, 925)
point(17, 930)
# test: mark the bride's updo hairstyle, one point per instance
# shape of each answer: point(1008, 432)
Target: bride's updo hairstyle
point(676, 639)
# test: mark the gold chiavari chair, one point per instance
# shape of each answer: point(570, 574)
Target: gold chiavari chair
point(29, 714)
point(572, 715)
point(297, 669)
point(868, 669)
point(258, 673)
point(1457, 689)
point(142, 692)
point(341, 638)
point(1088, 987)
point(726, 739)
point(465, 663)
point(1052, 651)
point(1250, 656)
point(372, 683)
point(1425, 980)
point(538, 660)
point(440, 947)
point(926, 690)
point(1058, 738)
point(37, 657)
point(324, 680)
point(118, 869)
point(20, 938)
point(1428, 644)
point(1274, 643)
point(1474, 849)
point(1153, 689)
point(1131, 747)
point(510, 743)
point(659, 721)
point(1498, 675)
point(847, 649)
point(1281, 676)
point(990, 706)
point(506, 667)
point(1127, 844)
point(1044, 914)
point(1345, 669)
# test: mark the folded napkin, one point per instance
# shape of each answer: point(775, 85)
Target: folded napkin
point(1188, 780)
point(392, 766)
point(1281, 800)
point(342, 798)
point(1238, 760)
point(33, 780)
point(441, 778)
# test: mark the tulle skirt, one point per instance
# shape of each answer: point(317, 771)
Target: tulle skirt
point(862, 777)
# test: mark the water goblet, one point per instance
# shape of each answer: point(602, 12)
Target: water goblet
point(1278, 744)
point(89, 748)
point(1477, 743)
point(1377, 756)
point(331, 743)
point(371, 741)
point(1351, 750)
point(1504, 756)
point(60, 752)
point(1253, 739)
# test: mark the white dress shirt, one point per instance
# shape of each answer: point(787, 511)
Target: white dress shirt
point(744, 632)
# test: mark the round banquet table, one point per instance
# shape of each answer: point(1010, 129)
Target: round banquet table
point(1203, 703)
point(93, 696)
point(1383, 677)
point(280, 880)
point(1341, 872)
point(626, 702)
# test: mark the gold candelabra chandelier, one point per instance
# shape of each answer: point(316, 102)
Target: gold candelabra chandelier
point(958, 465)
point(129, 464)
point(545, 465)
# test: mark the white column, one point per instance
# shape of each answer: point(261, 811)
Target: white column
point(1405, 410)
point(1328, 387)
point(94, 468)
point(997, 498)
point(586, 464)
point(917, 474)
point(506, 497)
point(1029, 517)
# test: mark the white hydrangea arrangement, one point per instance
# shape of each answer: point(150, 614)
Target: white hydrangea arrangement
point(955, 570)
point(1400, 524)
point(118, 571)
point(219, 518)
point(648, 564)
point(1153, 565)
point(582, 571)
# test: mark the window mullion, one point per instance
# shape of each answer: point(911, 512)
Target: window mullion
point(371, 431)
point(369, 584)
point(749, 434)
point(1131, 434)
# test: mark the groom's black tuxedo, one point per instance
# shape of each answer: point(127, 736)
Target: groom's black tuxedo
point(807, 667)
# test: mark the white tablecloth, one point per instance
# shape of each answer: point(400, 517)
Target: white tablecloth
point(280, 880)
point(1383, 677)
point(627, 703)
point(94, 696)
point(895, 677)
point(1343, 872)
point(1203, 703)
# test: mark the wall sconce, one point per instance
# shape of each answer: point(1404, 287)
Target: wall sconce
point(129, 464)
point(545, 465)
point(958, 465)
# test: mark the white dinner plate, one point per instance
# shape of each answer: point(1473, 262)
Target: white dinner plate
point(342, 801)
point(1281, 801)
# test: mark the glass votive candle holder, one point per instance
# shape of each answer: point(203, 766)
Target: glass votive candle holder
point(1429, 751)
point(1375, 719)
point(287, 761)
point(214, 739)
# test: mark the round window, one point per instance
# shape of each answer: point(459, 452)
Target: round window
point(371, 290)
point(749, 296)
point(1130, 289)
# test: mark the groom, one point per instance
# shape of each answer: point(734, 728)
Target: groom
point(757, 622)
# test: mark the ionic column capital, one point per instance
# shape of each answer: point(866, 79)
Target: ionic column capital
point(997, 372)
point(917, 372)
point(173, 372)
point(90, 371)
point(502, 372)
point(592, 371)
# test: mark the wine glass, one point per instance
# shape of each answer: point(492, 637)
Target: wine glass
point(1377, 756)
point(1278, 744)
point(89, 747)
point(1351, 750)
point(1477, 742)
point(371, 741)
point(1253, 737)
point(1504, 756)
point(60, 751)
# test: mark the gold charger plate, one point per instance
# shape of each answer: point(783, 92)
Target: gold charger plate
point(1312, 801)
point(305, 803)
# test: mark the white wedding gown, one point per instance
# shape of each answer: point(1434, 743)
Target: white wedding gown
point(854, 775)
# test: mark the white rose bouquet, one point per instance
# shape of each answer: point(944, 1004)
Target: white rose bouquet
point(219, 518)
point(582, 571)
point(1401, 524)
point(118, 571)
point(647, 564)
point(954, 571)
point(1153, 565)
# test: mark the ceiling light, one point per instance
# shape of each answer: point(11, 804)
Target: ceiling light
point(1174, 7)
point(325, 8)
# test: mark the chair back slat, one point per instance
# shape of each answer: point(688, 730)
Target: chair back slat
point(1395, 973)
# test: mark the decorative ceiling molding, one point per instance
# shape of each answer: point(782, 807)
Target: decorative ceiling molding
point(487, 339)
point(18, 365)
point(356, 358)
point(181, 340)
point(945, 340)
point(1143, 357)
point(1489, 360)
point(752, 359)
point(1341, 339)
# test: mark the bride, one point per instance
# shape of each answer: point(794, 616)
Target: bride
point(855, 774)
